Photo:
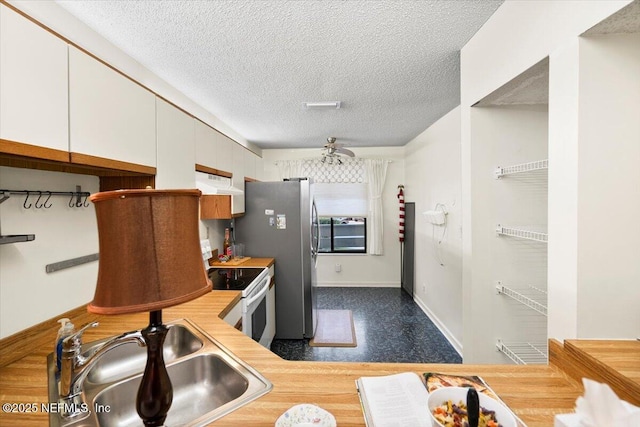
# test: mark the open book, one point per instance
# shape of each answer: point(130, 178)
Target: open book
point(401, 399)
point(394, 400)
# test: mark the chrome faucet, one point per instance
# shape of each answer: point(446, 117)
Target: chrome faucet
point(75, 365)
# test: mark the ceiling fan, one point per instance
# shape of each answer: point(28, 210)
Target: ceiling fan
point(333, 151)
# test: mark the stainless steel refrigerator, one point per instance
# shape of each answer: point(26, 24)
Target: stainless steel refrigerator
point(281, 221)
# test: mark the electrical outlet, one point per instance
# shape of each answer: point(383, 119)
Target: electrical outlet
point(338, 268)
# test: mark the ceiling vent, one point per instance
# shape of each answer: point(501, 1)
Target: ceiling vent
point(325, 105)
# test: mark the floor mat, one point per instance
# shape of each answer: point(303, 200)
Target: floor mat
point(335, 329)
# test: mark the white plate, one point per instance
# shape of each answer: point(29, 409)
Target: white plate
point(306, 415)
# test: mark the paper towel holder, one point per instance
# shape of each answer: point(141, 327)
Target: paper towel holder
point(437, 216)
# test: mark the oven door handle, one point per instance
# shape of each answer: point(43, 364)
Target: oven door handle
point(260, 294)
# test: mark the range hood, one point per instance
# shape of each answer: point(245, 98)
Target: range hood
point(215, 184)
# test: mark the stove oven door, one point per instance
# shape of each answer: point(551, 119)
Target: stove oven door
point(254, 316)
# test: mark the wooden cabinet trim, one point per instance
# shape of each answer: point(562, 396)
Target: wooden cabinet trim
point(33, 151)
point(101, 162)
point(213, 171)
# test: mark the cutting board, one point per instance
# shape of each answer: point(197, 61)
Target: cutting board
point(230, 263)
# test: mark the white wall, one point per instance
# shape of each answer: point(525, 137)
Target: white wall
point(29, 295)
point(594, 148)
point(358, 270)
point(505, 136)
point(516, 37)
point(609, 187)
point(432, 171)
point(562, 301)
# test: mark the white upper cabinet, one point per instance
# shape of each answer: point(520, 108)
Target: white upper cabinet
point(250, 164)
point(176, 148)
point(205, 145)
point(238, 160)
point(224, 148)
point(110, 116)
point(212, 148)
point(33, 84)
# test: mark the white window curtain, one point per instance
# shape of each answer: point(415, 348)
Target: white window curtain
point(289, 168)
point(376, 175)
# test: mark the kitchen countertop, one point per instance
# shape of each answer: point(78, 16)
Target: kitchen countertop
point(251, 262)
point(535, 393)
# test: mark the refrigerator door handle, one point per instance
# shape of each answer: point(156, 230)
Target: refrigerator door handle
point(315, 229)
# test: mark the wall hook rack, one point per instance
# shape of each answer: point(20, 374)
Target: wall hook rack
point(78, 199)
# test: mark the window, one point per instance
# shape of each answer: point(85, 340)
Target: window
point(342, 210)
point(343, 235)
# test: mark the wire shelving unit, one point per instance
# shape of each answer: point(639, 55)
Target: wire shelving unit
point(522, 233)
point(532, 297)
point(538, 165)
point(524, 353)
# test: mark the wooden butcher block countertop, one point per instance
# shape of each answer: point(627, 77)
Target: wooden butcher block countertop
point(535, 393)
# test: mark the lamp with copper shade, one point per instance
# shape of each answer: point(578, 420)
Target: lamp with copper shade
point(150, 259)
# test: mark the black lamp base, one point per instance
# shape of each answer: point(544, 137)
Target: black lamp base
point(155, 393)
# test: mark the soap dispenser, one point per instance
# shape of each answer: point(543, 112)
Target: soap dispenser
point(66, 329)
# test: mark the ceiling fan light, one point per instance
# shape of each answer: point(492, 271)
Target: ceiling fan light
point(325, 105)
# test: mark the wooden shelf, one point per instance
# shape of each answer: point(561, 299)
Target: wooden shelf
point(16, 238)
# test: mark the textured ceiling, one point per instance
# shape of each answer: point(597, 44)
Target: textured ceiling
point(394, 65)
point(530, 87)
point(626, 20)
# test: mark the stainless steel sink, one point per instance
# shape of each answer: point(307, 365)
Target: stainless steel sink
point(208, 382)
point(129, 359)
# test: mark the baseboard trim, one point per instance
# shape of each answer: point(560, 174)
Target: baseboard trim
point(358, 285)
point(457, 345)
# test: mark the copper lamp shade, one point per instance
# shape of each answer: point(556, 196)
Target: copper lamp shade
point(150, 254)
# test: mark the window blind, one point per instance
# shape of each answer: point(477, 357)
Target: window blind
point(340, 199)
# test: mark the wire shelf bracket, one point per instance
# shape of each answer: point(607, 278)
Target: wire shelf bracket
point(537, 165)
point(524, 353)
point(522, 234)
point(523, 299)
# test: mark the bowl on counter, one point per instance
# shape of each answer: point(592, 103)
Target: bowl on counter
point(306, 415)
point(440, 396)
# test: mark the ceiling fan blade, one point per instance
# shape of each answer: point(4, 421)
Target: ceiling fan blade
point(345, 152)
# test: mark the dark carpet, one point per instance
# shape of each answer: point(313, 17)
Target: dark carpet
point(390, 327)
